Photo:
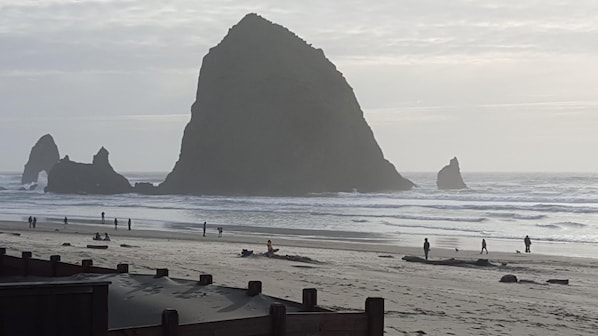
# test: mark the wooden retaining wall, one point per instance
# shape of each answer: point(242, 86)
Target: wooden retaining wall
point(313, 320)
point(277, 323)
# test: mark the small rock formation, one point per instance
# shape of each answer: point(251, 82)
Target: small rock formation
point(449, 177)
point(273, 116)
point(145, 188)
point(43, 156)
point(508, 278)
point(68, 177)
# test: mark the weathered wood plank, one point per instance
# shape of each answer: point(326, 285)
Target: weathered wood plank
point(138, 331)
point(326, 323)
point(254, 326)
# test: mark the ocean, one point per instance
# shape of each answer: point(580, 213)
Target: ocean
point(559, 211)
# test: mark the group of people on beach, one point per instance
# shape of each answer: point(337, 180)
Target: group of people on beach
point(32, 222)
point(116, 222)
point(98, 237)
point(527, 241)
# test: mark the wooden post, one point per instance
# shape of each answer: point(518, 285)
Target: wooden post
point(278, 314)
point(122, 268)
point(161, 272)
point(205, 279)
point(254, 288)
point(54, 260)
point(310, 299)
point(2, 253)
point(25, 256)
point(99, 319)
point(86, 263)
point(170, 322)
point(374, 308)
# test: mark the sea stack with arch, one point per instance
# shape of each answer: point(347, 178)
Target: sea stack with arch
point(43, 156)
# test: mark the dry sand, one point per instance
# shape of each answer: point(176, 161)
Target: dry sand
point(419, 298)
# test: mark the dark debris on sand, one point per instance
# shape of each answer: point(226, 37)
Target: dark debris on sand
point(249, 253)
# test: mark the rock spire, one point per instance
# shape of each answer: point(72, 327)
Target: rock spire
point(449, 177)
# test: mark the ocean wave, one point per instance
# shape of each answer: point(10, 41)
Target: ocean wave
point(563, 225)
point(431, 227)
point(404, 216)
point(572, 225)
point(549, 226)
point(514, 215)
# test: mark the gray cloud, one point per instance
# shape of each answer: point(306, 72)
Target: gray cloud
point(422, 70)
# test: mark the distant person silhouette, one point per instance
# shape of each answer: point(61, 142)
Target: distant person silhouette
point(30, 221)
point(219, 232)
point(34, 222)
point(204, 228)
point(115, 224)
point(129, 224)
point(271, 249)
point(528, 244)
point(103, 215)
point(484, 246)
point(66, 221)
point(426, 247)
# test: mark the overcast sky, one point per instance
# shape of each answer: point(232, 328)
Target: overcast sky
point(503, 85)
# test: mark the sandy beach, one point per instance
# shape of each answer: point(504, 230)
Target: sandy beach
point(419, 298)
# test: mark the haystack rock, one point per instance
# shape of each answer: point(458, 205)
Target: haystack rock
point(449, 177)
point(68, 177)
point(273, 116)
point(43, 156)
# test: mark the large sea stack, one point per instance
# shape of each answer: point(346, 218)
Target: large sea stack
point(69, 177)
point(449, 177)
point(273, 116)
point(43, 156)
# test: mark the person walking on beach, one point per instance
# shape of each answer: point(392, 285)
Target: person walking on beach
point(30, 221)
point(484, 246)
point(34, 222)
point(220, 232)
point(528, 244)
point(103, 215)
point(426, 247)
point(129, 224)
point(204, 228)
point(66, 221)
point(115, 224)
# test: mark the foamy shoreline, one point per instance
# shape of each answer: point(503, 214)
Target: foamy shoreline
point(438, 300)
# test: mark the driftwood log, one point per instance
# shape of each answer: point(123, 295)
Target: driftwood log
point(451, 262)
point(558, 281)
